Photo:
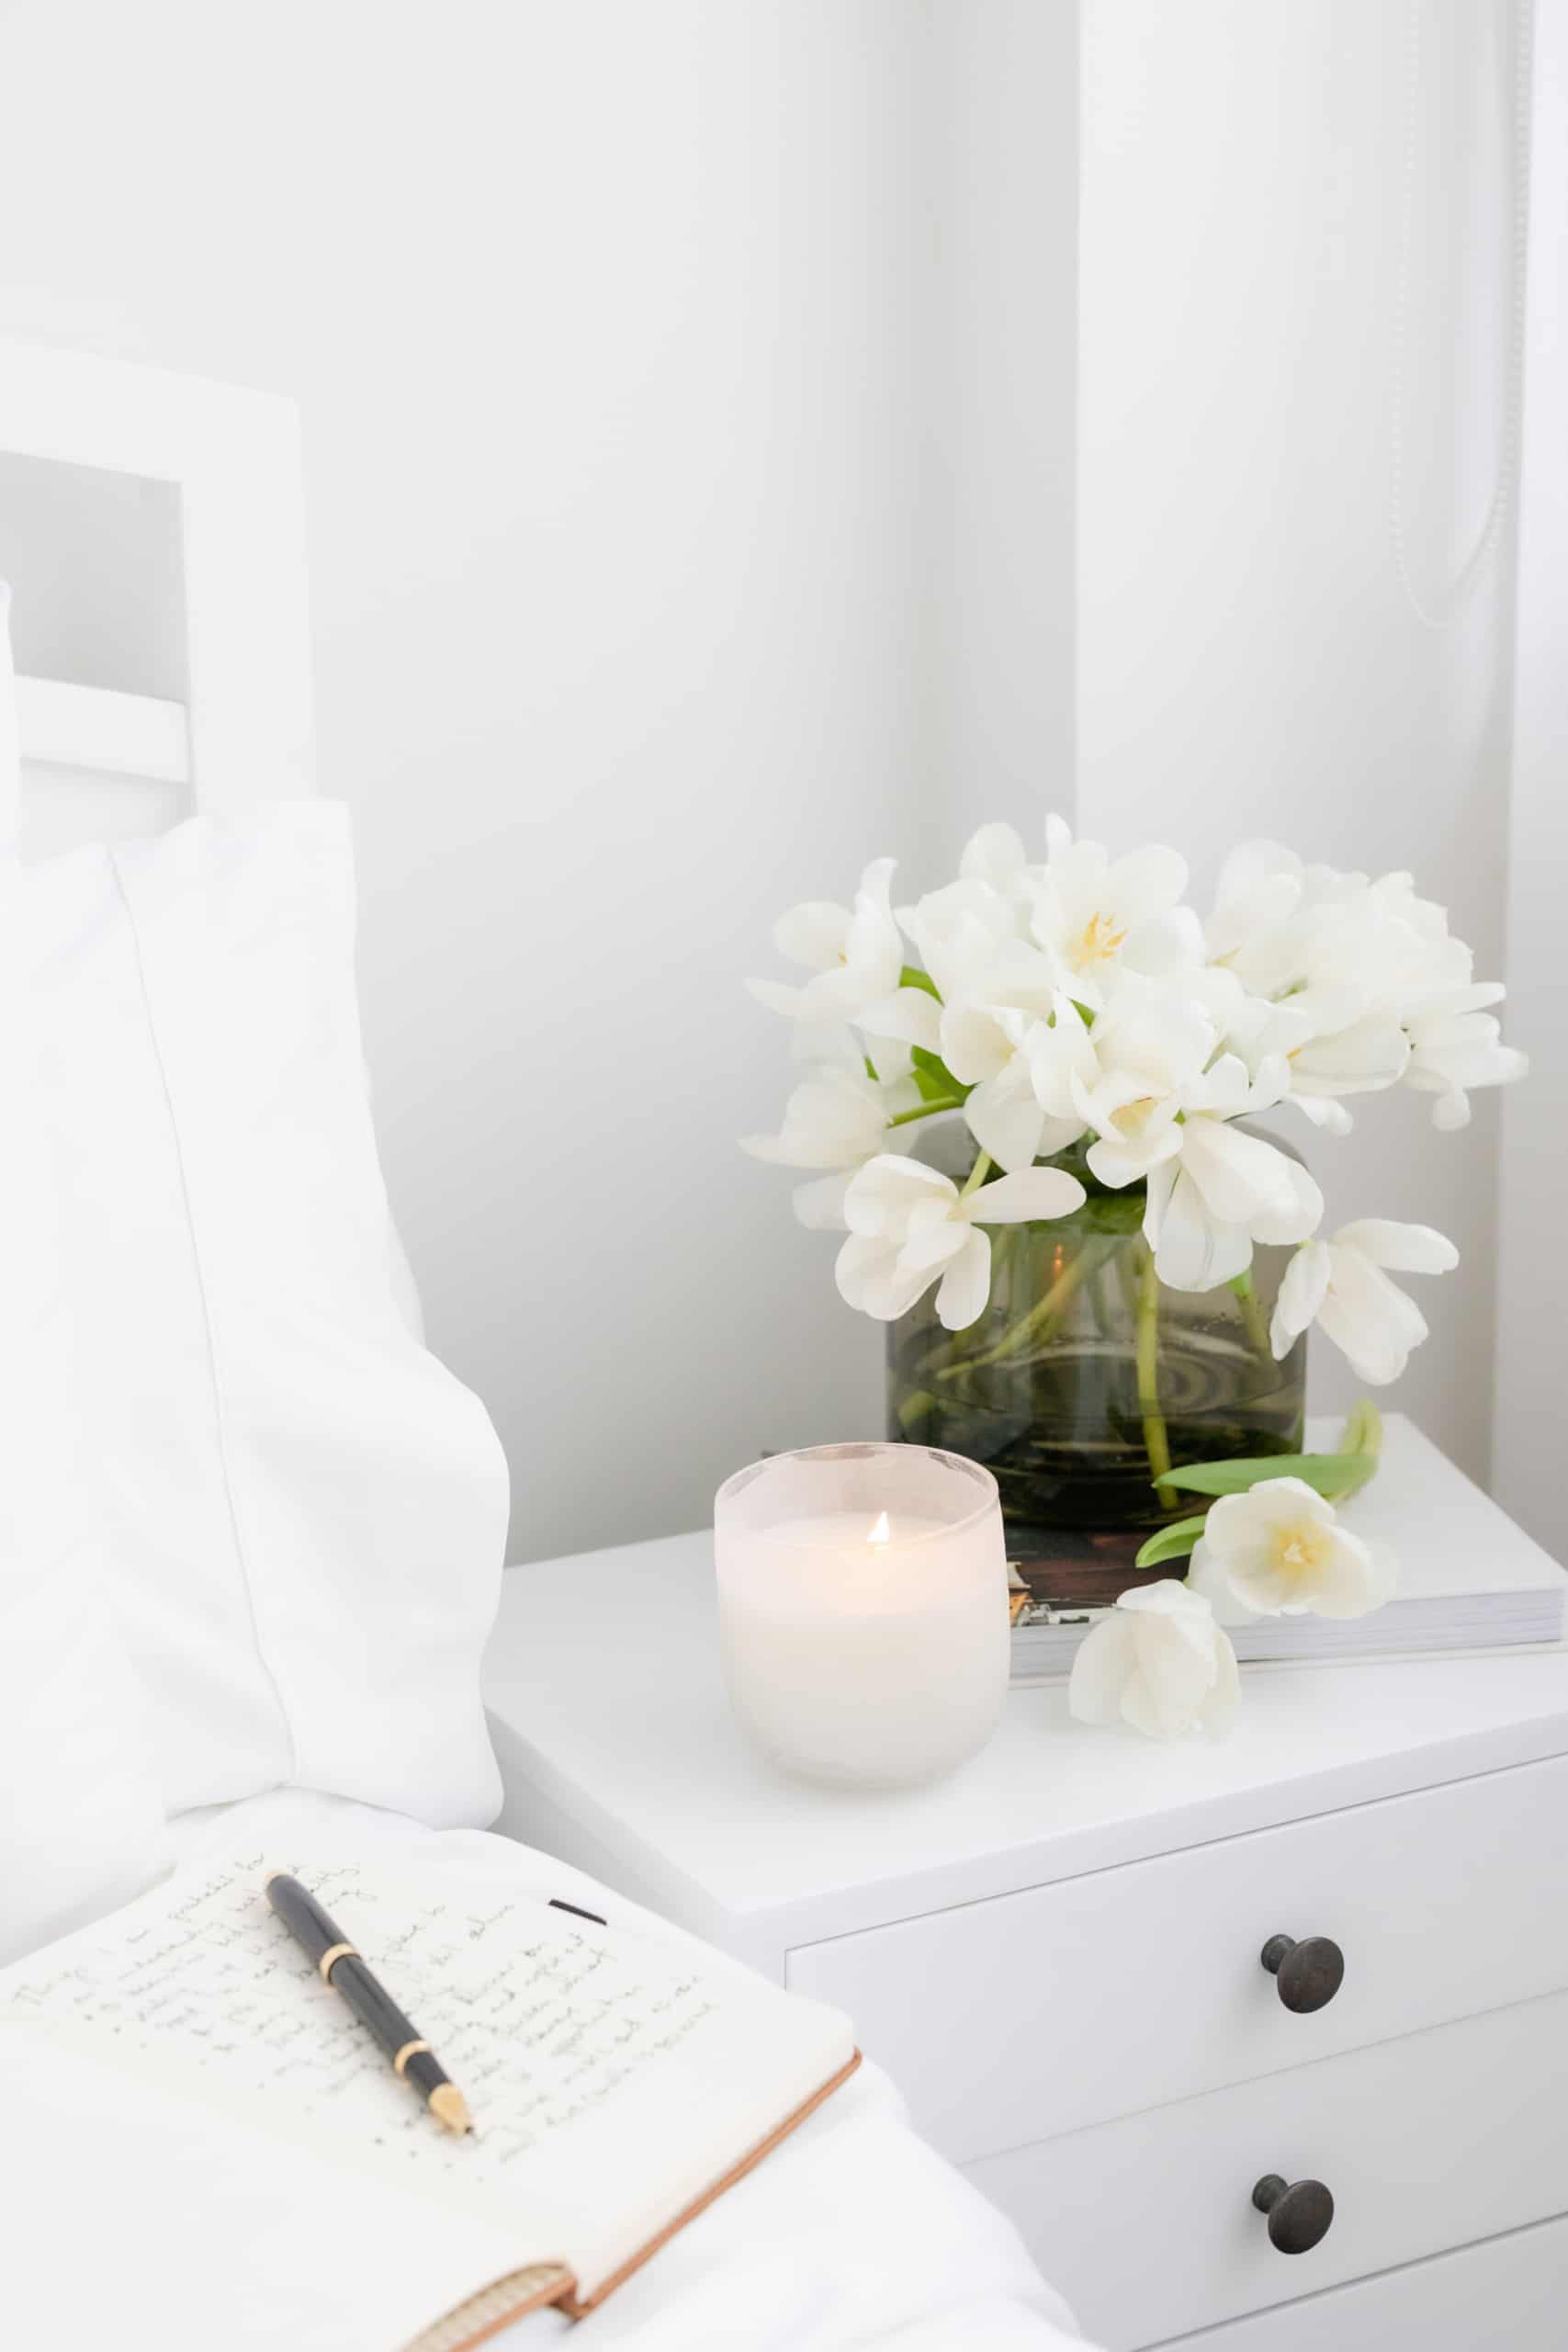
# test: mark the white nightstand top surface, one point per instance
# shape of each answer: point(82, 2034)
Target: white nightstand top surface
point(604, 1688)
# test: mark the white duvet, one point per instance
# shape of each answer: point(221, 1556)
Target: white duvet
point(852, 2233)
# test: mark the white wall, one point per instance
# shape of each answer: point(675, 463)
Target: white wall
point(1532, 1323)
point(999, 182)
point(603, 321)
point(1248, 662)
point(745, 436)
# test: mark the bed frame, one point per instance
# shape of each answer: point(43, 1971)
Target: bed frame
point(152, 528)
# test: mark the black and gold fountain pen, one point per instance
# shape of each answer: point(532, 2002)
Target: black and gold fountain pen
point(338, 1964)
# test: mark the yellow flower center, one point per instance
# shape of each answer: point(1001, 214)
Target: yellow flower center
point(1299, 1549)
point(1097, 941)
point(1134, 1117)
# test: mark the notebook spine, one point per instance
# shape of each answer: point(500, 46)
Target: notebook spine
point(496, 2306)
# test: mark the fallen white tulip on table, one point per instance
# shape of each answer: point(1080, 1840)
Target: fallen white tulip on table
point(1159, 1661)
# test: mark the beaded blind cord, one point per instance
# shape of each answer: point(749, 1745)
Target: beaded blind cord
point(1436, 613)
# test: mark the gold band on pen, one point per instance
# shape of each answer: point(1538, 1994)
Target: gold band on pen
point(333, 1954)
point(409, 2049)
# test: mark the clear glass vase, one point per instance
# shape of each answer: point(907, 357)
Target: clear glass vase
point(1086, 1375)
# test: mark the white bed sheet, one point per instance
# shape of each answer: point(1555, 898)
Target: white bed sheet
point(853, 2233)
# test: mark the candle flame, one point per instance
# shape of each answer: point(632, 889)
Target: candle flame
point(881, 1532)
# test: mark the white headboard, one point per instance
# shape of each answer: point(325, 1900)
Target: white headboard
point(152, 527)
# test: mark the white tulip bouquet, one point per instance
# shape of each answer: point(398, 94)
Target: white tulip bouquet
point(1091, 1030)
point(1080, 997)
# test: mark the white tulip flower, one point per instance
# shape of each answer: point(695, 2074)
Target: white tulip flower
point(1267, 1037)
point(995, 856)
point(1005, 1029)
point(1075, 1001)
point(1270, 907)
point(1354, 965)
point(1161, 1110)
point(1160, 1662)
point(1454, 1046)
point(967, 939)
point(1220, 1193)
point(1279, 1550)
point(1352, 955)
point(1397, 892)
point(1260, 887)
point(1360, 1057)
point(1021, 1069)
point(857, 958)
point(1361, 959)
point(1380, 939)
point(836, 1119)
point(1097, 917)
point(1342, 1285)
point(1323, 1112)
point(1151, 1048)
point(910, 1227)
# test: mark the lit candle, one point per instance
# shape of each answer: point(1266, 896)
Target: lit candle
point(863, 1609)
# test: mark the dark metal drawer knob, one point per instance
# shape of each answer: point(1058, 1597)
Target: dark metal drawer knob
point(1299, 2211)
point(1309, 1972)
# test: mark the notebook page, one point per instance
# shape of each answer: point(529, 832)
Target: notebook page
point(135, 2217)
point(611, 2082)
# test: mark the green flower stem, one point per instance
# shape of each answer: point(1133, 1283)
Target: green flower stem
point(1363, 1436)
point(976, 1175)
point(1100, 1302)
point(1127, 1277)
point(1156, 1443)
point(1035, 1324)
point(927, 1110)
point(1046, 1341)
point(915, 1407)
point(1245, 1290)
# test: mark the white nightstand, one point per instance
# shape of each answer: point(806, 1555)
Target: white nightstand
point(1056, 1952)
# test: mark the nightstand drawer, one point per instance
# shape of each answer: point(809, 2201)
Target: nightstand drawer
point(1505, 2292)
point(1147, 2225)
point(1010, 2020)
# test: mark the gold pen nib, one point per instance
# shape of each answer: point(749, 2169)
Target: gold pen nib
point(448, 2104)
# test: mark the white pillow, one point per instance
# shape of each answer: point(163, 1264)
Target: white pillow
point(82, 1825)
point(81, 1815)
point(302, 1513)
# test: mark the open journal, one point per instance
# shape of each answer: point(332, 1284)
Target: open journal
point(191, 2112)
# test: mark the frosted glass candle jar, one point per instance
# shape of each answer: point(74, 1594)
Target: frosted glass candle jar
point(863, 1603)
